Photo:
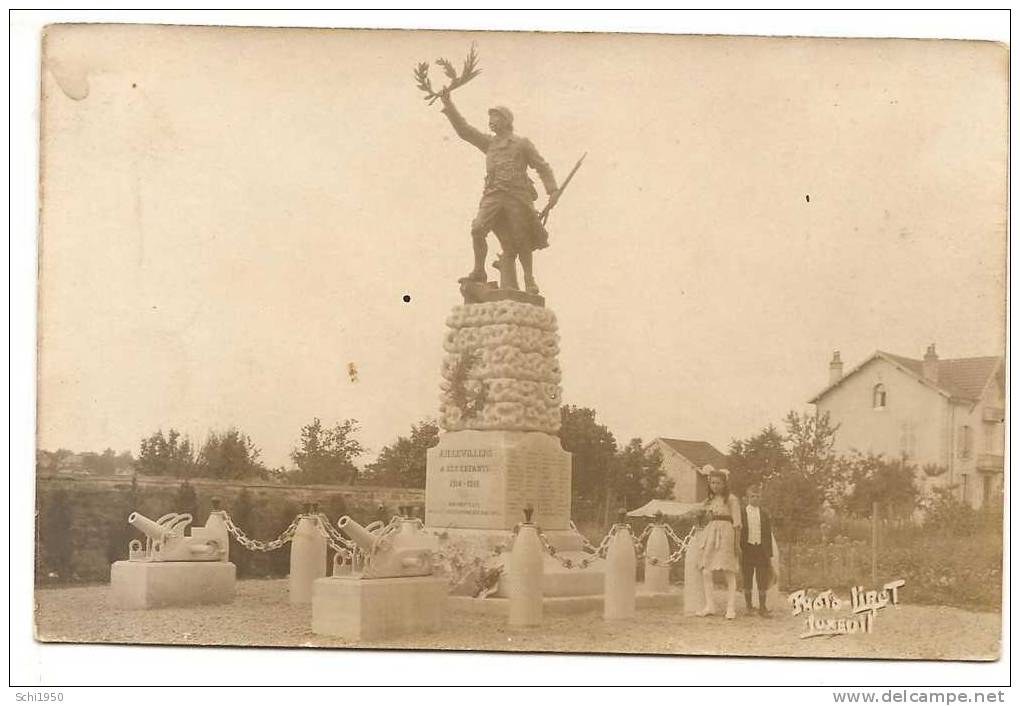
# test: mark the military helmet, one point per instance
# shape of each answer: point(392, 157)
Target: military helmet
point(504, 112)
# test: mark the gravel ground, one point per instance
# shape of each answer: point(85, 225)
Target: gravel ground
point(261, 615)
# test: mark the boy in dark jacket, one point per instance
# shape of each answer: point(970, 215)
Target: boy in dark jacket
point(755, 548)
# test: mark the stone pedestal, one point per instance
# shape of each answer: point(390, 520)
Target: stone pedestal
point(370, 609)
point(483, 480)
point(500, 453)
point(158, 584)
point(501, 371)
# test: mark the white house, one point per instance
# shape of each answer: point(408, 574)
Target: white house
point(682, 460)
point(944, 414)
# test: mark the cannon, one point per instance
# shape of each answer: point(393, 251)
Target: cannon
point(400, 549)
point(166, 538)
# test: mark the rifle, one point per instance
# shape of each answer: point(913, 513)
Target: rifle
point(544, 215)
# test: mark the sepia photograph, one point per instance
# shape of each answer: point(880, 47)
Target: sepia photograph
point(507, 341)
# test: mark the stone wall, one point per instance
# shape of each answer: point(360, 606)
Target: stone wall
point(81, 522)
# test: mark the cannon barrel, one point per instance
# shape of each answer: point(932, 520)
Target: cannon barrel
point(361, 536)
point(151, 529)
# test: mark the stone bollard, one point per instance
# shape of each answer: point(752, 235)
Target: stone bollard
point(524, 577)
point(307, 559)
point(217, 523)
point(694, 591)
point(657, 547)
point(621, 576)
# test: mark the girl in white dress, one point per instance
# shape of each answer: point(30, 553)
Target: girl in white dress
point(720, 548)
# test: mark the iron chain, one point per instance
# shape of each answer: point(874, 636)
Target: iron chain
point(336, 541)
point(256, 545)
point(588, 546)
point(682, 546)
point(598, 553)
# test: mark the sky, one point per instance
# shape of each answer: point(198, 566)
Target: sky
point(232, 217)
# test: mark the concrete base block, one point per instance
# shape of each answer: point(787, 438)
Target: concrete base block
point(369, 609)
point(141, 585)
point(562, 605)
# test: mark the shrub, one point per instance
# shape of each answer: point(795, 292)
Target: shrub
point(940, 564)
point(946, 513)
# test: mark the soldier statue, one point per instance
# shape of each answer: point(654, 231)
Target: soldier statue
point(507, 205)
point(506, 208)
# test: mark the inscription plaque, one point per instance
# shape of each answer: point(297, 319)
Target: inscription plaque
point(485, 479)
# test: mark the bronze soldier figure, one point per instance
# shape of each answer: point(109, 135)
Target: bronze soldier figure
point(507, 201)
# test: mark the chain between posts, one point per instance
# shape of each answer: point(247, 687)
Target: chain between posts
point(337, 542)
point(455, 562)
point(255, 545)
point(588, 546)
point(682, 546)
point(600, 551)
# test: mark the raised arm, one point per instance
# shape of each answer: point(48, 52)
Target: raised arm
point(464, 131)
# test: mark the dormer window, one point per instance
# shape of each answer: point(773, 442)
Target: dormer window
point(878, 396)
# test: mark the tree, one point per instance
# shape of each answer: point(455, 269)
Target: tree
point(797, 470)
point(757, 459)
point(873, 478)
point(230, 455)
point(106, 463)
point(946, 514)
point(186, 501)
point(170, 455)
point(810, 439)
point(402, 464)
point(594, 457)
point(326, 455)
point(638, 476)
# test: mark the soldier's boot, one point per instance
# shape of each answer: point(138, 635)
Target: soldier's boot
point(530, 285)
point(507, 264)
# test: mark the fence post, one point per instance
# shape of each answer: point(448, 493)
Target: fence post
point(874, 543)
point(790, 564)
point(524, 577)
point(657, 548)
point(307, 558)
point(620, 593)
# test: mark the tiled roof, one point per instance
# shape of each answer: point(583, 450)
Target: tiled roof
point(964, 378)
point(960, 378)
point(697, 452)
